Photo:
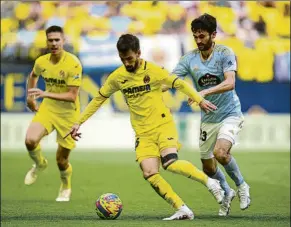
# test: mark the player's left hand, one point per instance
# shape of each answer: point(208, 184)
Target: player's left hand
point(207, 106)
point(191, 101)
point(36, 93)
point(74, 132)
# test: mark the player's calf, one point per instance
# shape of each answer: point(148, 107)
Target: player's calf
point(63, 163)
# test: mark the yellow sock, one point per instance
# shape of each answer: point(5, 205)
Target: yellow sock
point(36, 156)
point(165, 190)
point(66, 177)
point(187, 169)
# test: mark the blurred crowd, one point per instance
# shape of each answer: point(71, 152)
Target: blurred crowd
point(257, 31)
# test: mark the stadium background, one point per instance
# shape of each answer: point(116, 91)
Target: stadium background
point(258, 32)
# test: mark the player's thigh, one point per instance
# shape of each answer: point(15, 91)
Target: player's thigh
point(63, 125)
point(168, 139)
point(39, 127)
point(228, 132)
point(209, 166)
point(150, 166)
point(146, 147)
point(207, 139)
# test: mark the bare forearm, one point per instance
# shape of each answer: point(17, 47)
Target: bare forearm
point(220, 88)
point(31, 83)
point(66, 96)
point(93, 106)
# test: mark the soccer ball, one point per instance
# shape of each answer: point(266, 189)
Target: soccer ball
point(108, 206)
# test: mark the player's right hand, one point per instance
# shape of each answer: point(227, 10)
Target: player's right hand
point(74, 132)
point(207, 106)
point(31, 104)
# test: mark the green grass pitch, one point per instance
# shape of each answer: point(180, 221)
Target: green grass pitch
point(95, 173)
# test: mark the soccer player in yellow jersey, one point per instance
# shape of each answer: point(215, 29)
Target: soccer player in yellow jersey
point(59, 110)
point(156, 135)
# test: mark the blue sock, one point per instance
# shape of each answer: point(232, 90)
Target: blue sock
point(219, 175)
point(233, 171)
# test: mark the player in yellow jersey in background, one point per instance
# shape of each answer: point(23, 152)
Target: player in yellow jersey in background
point(59, 110)
point(156, 135)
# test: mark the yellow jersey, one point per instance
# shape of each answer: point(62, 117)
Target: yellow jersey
point(143, 94)
point(57, 77)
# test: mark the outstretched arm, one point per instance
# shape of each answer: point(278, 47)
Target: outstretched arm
point(174, 82)
point(92, 108)
point(109, 87)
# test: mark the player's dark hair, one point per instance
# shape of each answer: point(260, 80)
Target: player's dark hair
point(128, 42)
point(54, 28)
point(205, 22)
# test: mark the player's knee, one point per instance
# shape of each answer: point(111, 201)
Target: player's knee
point(169, 159)
point(221, 154)
point(149, 173)
point(30, 143)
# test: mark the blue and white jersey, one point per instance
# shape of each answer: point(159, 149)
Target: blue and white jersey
point(209, 73)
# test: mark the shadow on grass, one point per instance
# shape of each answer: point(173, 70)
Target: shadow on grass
point(258, 218)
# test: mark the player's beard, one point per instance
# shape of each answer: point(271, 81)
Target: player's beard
point(206, 46)
point(132, 68)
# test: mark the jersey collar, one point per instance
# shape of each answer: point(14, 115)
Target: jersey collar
point(209, 57)
point(142, 67)
point(61, 60)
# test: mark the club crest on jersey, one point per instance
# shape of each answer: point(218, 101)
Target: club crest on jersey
point(208, 80)
point(62, 74)
point(195, 68)
point(146, 79)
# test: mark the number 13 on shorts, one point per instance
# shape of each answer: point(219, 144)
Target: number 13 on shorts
point(203, 135)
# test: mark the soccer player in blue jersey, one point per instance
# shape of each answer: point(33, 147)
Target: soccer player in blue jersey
point(213, 68)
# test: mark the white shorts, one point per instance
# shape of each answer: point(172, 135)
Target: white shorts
point(210, 132)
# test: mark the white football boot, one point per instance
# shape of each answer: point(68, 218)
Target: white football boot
point(31, 175)
point(244, 195)
point(215, 189)
point(226, 203)
point(184, 213)
point(64, 195)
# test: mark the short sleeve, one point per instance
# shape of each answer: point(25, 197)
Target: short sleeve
point(229, 60)
point(109, 87)
point(36, 68)
point(75, 75)
point(181, 68)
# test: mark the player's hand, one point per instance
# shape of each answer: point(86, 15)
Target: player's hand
point(31, 104)
point(36, 93)
point(207, 106)
point(74, 132)
point(191, 101)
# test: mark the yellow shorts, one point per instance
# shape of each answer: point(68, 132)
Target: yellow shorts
point(62, 124)
point(152, 143)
